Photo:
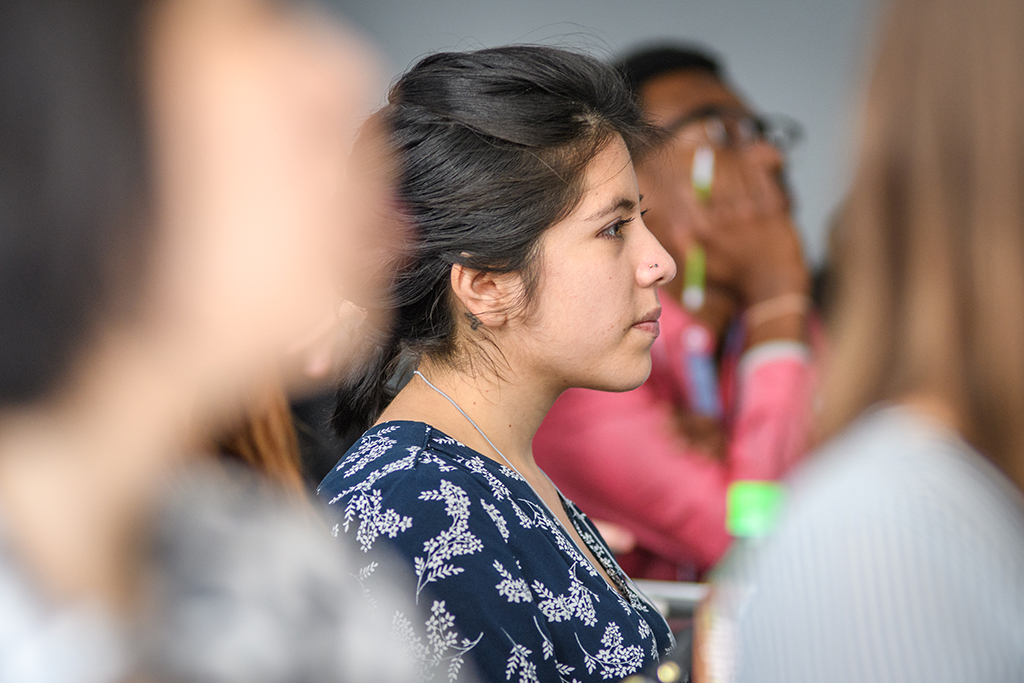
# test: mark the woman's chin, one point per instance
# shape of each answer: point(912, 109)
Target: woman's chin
point(624, 381)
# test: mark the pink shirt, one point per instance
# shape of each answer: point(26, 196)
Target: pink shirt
point(619, 457)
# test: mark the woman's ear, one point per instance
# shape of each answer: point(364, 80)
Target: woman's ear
point(486, 297)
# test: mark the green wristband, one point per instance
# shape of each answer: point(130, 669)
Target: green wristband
point(753, 508)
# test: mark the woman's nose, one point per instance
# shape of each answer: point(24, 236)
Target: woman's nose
point(656, 267)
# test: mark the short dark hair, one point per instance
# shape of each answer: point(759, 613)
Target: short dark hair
point(491, 148)
point(643, 64)
point(73, 181)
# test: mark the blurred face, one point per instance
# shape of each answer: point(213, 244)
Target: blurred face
point(264, 213)
point(676, 96)
point(594, 316)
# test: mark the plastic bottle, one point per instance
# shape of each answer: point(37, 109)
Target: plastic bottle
point(752, 512)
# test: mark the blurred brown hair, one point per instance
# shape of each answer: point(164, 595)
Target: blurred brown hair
point(263, 438)
point(930, 294)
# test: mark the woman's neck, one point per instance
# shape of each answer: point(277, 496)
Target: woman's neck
point(507, 411)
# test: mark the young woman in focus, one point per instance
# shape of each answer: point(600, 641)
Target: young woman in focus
point(531, 271)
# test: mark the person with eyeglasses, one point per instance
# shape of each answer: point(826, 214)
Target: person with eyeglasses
point(730, 389)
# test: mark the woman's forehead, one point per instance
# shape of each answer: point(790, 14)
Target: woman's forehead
point(610, 183)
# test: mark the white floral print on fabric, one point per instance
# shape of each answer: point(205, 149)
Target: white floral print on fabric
point(542, 518)
point(361, 577)
point(442, 642)
point(615, 659)
point(514, 588)
point(369, 450)
point(577, 603)
point(519, 662)
point(374, 520)
point(604, 556)
point(452, 542)
point(564, 670)
point(496, 517)
point(503, 588)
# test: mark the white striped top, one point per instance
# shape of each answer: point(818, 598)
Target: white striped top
point(900, 557)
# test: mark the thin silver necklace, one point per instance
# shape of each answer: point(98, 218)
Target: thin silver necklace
point(615, 579)
point(477, 428)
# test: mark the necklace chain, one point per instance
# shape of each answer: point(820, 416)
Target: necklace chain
point(616, 580)
point(475, 425)
point(497, 450)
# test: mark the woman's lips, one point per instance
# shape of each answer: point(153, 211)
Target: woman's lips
point(649, 323)
point(649, 326)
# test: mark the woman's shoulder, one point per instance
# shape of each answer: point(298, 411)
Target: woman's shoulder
point(404, 455)
point(902, 496)
point(892, 524)
point(892, 458)
point(213, 520)
point(302, 590)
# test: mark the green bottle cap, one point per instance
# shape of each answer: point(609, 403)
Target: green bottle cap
point(752, 508)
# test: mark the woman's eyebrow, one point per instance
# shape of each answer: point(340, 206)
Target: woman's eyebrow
point(620, 203)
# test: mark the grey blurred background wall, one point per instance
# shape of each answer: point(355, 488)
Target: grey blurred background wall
point(803, 58)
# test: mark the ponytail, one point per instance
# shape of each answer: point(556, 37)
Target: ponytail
point(365, 391)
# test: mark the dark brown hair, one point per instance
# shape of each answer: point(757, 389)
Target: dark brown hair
point(74, 182)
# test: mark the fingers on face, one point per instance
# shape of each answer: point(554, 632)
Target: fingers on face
point(746, 188)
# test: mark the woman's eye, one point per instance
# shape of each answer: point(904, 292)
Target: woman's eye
point(615, 229)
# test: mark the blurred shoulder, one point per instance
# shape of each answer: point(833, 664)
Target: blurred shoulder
point(896, 465)
point(898, 557)
point(246, 578)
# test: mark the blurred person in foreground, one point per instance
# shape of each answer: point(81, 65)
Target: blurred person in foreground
point(899, 555)
point(729, 391)
point(178, 204)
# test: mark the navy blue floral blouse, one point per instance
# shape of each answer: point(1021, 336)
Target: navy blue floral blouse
point(496, 576)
